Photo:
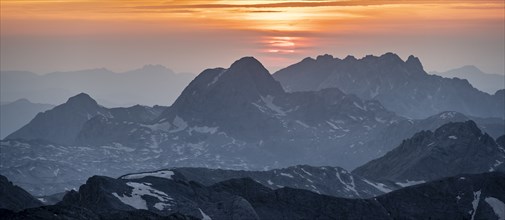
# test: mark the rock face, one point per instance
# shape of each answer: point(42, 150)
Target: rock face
point(452, 149)
point(15, 198)
point(167, 195)
point(401, 86)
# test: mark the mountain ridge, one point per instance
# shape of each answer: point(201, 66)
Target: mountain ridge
point(401, 86)
point(459, 147)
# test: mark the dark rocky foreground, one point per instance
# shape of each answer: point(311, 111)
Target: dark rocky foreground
point(168, 195)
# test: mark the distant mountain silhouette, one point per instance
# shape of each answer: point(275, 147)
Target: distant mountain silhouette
point(149, 85)
point(63, 123)
point(401, 86)
point(486, 82)
point(15, 115)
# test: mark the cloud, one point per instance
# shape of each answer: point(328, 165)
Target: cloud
point(298, 4)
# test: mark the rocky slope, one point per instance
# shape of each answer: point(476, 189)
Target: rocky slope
point(452, 149)
point(14, 198)
point(167, 195)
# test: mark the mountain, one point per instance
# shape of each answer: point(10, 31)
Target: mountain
point(15, 114)
point(149, 85)
point(164, 194)
point(63, 123)
point(401, 86)
point(15, 198)
point(452, 149)
point(486, 82)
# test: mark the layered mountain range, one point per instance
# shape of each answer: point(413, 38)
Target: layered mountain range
point(487, 82)
point(401, 86)
point(235, 118)
point(148, 85)
point(231, 145)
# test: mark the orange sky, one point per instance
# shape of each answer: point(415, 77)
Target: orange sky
point(50, 35)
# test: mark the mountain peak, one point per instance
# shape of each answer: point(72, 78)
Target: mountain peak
point(82, 99)
point(22, 101)
point(245, 62)
point(391, 56)
point(349, 58)
point(249, 73)
point(470, 69)
point(324, 58)
point(414, 63)
point(462, 128)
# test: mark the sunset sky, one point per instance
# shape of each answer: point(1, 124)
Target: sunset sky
point(189, 36)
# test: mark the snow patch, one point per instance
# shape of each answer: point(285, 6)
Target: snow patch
point(302, 124)
point(204, 216)
point(381, 187)
point(453, 137)
point(380, 120)
point(160, 205)
point(496, 164)
point(167, 174)
point(447, 115)
point(56, 172)
point(216, 78)
point(140, 189)
point(332, 125)
point(269, 103)
point(497, 206)
point(165, 126)
point(179, 123)
point(359, 106)
point(205, 129)
point(475, 203)
point(348, 186)
point(266, 105)
point(118, 146)
point(310, 174)
point(287, 175)
point(410, 183)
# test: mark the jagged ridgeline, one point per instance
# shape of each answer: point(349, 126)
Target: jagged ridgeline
point(401, 86)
